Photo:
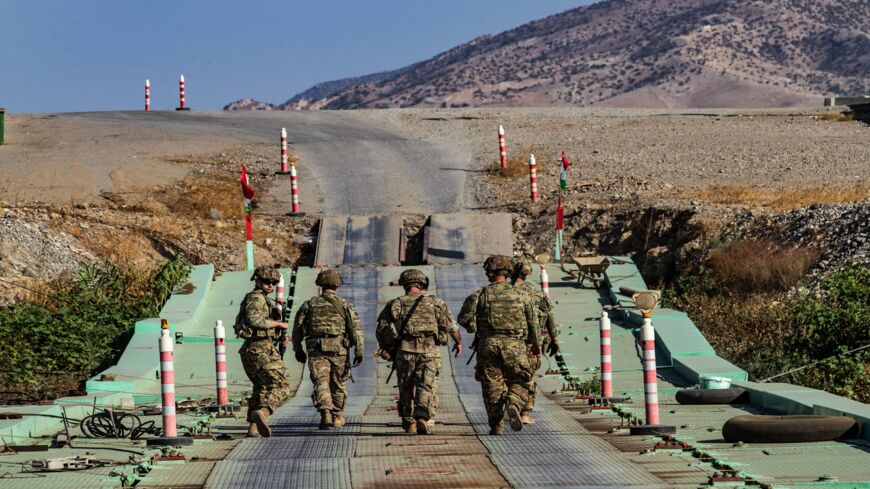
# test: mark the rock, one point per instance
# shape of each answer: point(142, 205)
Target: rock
point(215, 214)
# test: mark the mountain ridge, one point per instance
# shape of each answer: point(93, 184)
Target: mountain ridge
point(641, 53)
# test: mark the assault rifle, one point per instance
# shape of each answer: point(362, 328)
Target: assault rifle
point(395, 353)
point(473, 349)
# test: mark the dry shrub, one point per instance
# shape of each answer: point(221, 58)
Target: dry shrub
point(760, 266)
point(750, 331)
point(845, 116)
point(519, 167)
point(779, 198)
point(200, 193)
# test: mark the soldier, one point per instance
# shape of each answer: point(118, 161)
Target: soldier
point(547, 322)
point(329, 326)
point(257, 323)
point(503, 319)
point(410, 330)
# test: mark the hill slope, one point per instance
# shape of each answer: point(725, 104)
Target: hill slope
point(640, 53)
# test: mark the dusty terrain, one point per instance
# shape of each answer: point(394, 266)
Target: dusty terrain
point(658, 184)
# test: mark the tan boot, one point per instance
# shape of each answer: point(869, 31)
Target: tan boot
point(261, 420)
point(423, 427)
point(527, 418)
point(431, 422)
point(497, 429)
point(409, 426)
point(252, 431)
point(325, 419)
point(337, 420)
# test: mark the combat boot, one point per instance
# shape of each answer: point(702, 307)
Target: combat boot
point(423, 427)
point(431, 422)
point(325, 419)
point(513, 415)
point(497, 429)
point(337, 420)
point(252, 431)
point(409, 426)
point(527, 418)
point(261, 420)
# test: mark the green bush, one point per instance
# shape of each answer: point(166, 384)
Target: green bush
point(53, 344)
point(771, 333)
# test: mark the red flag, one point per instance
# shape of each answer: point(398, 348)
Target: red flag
point(565, 163)
point(247, 191)
point(560, 214)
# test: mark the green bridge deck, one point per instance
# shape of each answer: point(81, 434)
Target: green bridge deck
point(474, 460)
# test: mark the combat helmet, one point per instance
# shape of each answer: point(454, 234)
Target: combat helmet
point(266, 273)
point(329, 278)
point(498, 263)
point(522, 267)
point(414, 276)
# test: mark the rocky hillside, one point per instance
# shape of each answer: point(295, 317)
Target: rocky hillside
point(640, 53)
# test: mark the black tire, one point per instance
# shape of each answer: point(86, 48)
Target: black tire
point(789, 429)
point(734, 395)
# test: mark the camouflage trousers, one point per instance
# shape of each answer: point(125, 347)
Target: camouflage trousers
point(417, 373)
point(535, 364)
point(329, 374)
point(266, 371)
point(436, 393)
point(504, 373)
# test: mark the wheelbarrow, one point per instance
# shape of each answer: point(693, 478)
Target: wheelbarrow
point(590, 268)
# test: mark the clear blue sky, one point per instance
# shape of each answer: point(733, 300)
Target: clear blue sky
point(67, 56)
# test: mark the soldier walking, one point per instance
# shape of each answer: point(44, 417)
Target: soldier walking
point(504, 320)
point(258, 323)
point(329, 327)
point(547, 322)
point(410, 330)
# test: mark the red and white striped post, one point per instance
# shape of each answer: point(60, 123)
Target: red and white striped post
point(147, 95)
point(501, 150)
point(545, 281)
point(182, 101)
point(533, 177)
point(294, 189)
point(606, 361)
point(650, 382)
point(220, 363)
point(283, 150)
point(167, 381)
point(279, 290)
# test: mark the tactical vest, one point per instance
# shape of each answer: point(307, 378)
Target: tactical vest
point(241, 327)
point(502, 309)
point(423, 321)
point(325, 318)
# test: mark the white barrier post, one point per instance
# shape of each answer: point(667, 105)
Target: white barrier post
point(220, 364)
point(167, 381)
point(294, 189)
point(147, 95)
point(182, 105)
point(283, 150)
point(545, 281)
point(533, 177)
point(501, 150)
point(606, 357)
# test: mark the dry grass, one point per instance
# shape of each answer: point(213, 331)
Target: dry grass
point(760, 266)
point(195, 196)
point(778, 198)
point(845, 116)
point(518, 167)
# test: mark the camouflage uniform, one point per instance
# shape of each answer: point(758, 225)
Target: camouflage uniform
point(418, 360)
point(504, 319)
point(260, 358)
point(328, 332)
point(547, 322)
